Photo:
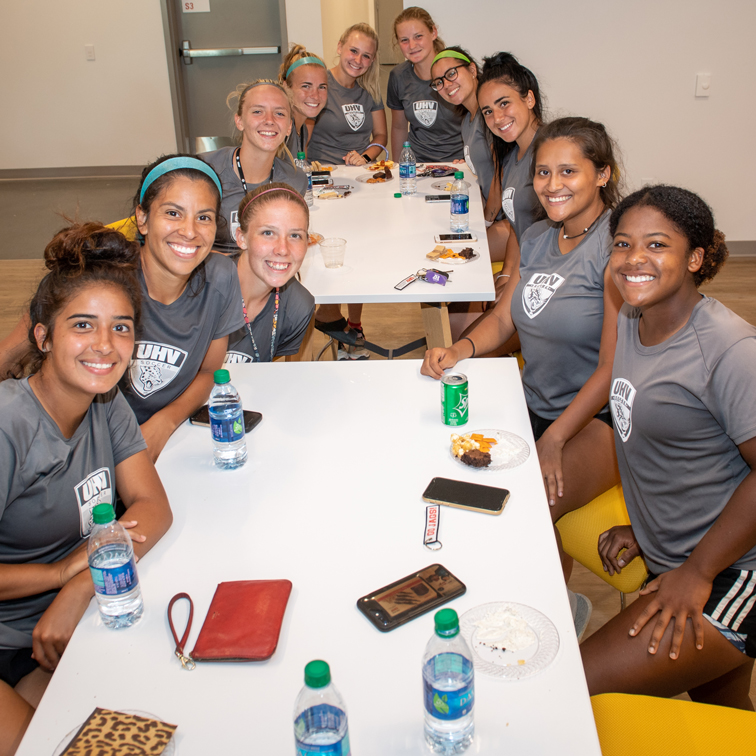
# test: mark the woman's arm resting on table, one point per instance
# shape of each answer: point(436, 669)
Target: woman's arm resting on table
point(399, 133)
point(682, 593)
point(13, 348)
point(379, 136)
point(20, 580)
point(489, 335)
point(160, 427)
point(589, 400)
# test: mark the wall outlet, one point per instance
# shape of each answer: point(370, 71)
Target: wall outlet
point(89, 52)
point(703, 85)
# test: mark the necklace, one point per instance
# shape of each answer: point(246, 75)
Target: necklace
point(272, 333)
point(584, 231)
point(241, 172)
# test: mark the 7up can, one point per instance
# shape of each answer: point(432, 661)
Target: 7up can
point(454, 399)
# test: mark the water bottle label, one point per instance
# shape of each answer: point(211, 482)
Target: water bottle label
point(449, 704)
point(112, 581)
point(309, 182)
point(315, 729)
point(460, 205)
point(407, 170)
point(227, 429)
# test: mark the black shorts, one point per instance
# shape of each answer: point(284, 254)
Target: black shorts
point(15, 664)
point(540, 424)
point(731, 608)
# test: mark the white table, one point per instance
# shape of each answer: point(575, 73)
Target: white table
point(331, 499)
point(387, 240)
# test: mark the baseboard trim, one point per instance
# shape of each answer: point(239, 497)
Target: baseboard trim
point(87, 171)
point(742, 248)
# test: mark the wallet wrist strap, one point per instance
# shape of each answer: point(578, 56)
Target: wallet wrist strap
point(186, 661)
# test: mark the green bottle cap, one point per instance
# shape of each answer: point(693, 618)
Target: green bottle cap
point(406, 144)
point(459, 175)
point(300, 156)
point(447, 623)
point(317, 674)
point(398, 195)
point(103, 513)
point(222, 376)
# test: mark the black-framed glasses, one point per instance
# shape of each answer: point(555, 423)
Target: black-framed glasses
point(451, 74)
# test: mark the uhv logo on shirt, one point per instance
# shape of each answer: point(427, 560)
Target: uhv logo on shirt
point(426, 111)
point(93, 490)
point(507, 203)
point(621, 400)
point(355, 115)
point(236, 357)
point(538, 291)
point(154, 366)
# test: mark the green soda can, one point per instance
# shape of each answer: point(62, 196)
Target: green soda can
point(454, 399)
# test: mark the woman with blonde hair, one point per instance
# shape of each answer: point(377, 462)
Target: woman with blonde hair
point(305, 75)
point(435, 128)
point(263, 120)
point(352, 127)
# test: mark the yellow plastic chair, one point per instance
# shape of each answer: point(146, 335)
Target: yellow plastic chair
point(127, 226)
point(652, 726)
point(580, 531)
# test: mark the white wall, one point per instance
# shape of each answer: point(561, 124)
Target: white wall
point(304, 26)
point(339, 15)
point(60, 110)
point(632, 65)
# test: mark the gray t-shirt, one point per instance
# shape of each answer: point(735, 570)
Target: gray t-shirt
point(477, 150)
point(233, 191)
point(434, 127)
point(297, 139)
point(344, 124)
point(295, 308)
point(558, 308)
point(680, 409)
point(50, 484)
point(518, 200)
point(174, 339)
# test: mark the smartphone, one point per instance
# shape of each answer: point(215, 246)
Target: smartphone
point(322, 180)
point(458, 493)
point(202, 417)
point(438, 197)
point(454, 238)
point(416, 594)
point(321, 173)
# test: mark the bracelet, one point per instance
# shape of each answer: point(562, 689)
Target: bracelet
point(502, 275)
point(467, 338)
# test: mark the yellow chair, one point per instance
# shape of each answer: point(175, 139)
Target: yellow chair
point(580, 531)
point(668, 726)
point(127, 226)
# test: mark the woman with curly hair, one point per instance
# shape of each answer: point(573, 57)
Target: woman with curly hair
point(685, 431)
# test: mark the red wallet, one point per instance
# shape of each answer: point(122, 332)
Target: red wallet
point(243, 622)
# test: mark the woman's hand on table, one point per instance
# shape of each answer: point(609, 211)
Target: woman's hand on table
point(437, 360)
point(611, 542)
point(354, 158)
point(133, 534)
point(681, 594)
point(550, 456)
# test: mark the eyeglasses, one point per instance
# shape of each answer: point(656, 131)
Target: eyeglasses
point(451, 74)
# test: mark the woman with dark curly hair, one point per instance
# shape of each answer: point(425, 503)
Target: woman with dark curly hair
point(685, 432)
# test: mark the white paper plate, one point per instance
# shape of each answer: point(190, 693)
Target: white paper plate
point(313, 238)
point(457, 260)
point(442, 184)
point(510, 451)
point(494, 661)
point(363, 177)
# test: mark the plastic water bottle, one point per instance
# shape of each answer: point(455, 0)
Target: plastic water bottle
point(449, 687)
point(407, 171)
point(227, 423)
point(320, 717)
point(113, 569)
point(301, 162)
point(460, 203)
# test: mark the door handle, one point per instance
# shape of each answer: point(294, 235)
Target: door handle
point(221, 52)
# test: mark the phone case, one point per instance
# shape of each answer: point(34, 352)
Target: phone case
point(397, 603)
point(244, 621)
point(434, 494)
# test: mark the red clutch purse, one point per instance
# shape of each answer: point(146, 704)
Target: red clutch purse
point(242, 624)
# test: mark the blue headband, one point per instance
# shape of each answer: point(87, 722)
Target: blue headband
point(175, 164)
point(309, 60)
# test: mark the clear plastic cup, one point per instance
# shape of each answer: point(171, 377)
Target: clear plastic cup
point(333, 251)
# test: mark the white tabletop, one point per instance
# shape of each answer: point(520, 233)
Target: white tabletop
point(388, 239)
point(331, 499)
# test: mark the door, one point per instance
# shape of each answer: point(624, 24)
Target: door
point(389, 54)
point(211, 52)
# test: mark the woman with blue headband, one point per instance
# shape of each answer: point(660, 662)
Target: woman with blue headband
point(305, 75)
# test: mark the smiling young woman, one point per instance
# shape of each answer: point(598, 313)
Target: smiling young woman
point(263, 121)
point(62, 427)
point(685, 431)
point(277, 308)
point(434, 125)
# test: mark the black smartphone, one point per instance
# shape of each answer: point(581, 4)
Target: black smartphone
point(438, 197)
point(416, 594)
point(459, 493)
point(321, 173)
point(202, 417)
point(451, 238)
point(322, 180)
